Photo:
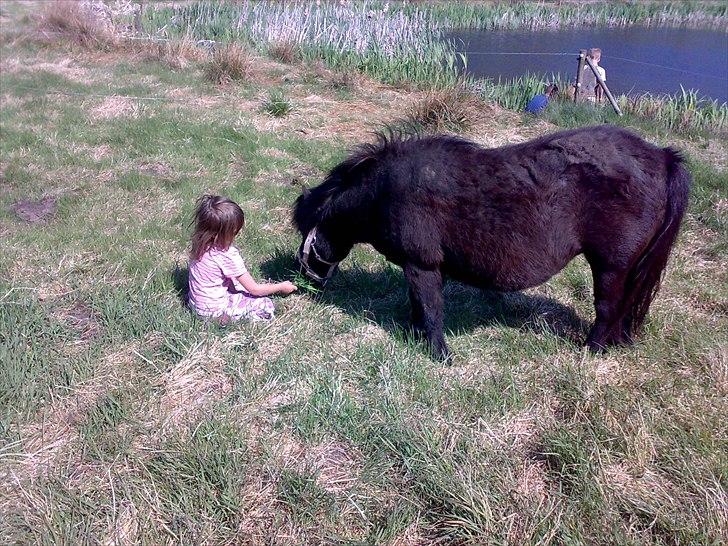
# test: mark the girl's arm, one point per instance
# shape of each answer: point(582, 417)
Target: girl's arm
point(255, 289)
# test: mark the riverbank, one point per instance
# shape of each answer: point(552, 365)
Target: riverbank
point(124, 420)
point(402, 45)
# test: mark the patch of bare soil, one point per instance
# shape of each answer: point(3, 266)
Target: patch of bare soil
point(81, 318)
point(295, 174)
point(36, 212)
point(156, 169)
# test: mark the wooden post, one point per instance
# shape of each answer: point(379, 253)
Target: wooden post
point(577, 87)
point(604, 86)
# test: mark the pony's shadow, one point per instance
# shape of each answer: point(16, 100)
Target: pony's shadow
point(381, 296)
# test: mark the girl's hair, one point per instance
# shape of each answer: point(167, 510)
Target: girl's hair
point(217, 221)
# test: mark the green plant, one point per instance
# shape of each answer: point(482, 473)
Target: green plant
point(276, 104)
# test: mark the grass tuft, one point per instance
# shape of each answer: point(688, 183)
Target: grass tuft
point(229, 63)
point(284, 51)
point(276, 104)
point(451, 109)
point(76, 23)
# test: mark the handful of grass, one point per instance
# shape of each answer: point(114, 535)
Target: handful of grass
point(303, 283)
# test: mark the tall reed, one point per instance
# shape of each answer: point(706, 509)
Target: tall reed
point(391, 45)
point(533, 15)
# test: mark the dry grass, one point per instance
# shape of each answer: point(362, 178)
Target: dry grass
point(285, 52)
point(74, 22)
point(228, 64)
point(115, 107)
point(453, 109)
point(190, 386)
point(176, 54)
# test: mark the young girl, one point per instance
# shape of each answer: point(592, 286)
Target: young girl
point(220, 285)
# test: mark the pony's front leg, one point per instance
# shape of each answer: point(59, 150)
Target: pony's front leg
point(425, 291)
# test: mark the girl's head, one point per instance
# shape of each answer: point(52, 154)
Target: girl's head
point(217, 221)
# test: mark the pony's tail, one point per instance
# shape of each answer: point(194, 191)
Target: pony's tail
point(643, 280)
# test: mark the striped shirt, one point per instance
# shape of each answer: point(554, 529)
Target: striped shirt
point(212, 280)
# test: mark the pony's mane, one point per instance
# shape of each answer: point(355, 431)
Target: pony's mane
point(316, 204)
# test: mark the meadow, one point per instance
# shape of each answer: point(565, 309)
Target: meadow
point(126, 420)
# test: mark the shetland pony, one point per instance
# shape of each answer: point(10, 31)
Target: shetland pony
point(505, 218)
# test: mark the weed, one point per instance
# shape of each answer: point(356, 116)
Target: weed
point(276, 104)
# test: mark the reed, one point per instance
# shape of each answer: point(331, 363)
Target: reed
point(536, 15)
point(393, 46)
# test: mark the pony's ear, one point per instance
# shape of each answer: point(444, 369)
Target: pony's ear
point(305, 193)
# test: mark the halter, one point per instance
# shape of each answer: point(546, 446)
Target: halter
point(303, 259)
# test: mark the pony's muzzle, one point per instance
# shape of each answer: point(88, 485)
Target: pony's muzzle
point(305, 269)
point(308, 253)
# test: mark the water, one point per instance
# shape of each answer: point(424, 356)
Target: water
point(696, 59)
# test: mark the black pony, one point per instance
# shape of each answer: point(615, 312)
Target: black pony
point(505, 218)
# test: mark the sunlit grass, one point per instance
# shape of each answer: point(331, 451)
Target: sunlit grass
point(331, 424)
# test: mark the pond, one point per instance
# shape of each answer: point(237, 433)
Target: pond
point(694, 58)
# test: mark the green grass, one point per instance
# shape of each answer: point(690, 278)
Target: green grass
point(331, 424)
point(276, 104)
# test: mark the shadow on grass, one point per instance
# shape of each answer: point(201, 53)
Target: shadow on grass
point(180, 279)
point(381, 296)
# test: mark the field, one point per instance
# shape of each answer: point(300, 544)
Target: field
point(125, 420)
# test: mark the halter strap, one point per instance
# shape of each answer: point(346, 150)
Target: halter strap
point(308, 247)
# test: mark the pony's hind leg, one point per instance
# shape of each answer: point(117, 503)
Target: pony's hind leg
point(425, 291)
point(609, 294)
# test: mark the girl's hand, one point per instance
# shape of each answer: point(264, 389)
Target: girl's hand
point(287, 287)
